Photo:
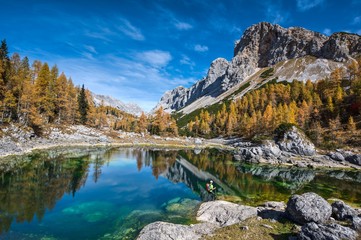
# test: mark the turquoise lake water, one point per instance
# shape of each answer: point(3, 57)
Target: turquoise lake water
point(113, 193)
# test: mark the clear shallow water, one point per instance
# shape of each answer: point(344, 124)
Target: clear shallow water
point(112, 194)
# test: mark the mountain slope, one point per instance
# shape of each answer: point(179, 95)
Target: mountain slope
point(293, 53)
point(131, 108)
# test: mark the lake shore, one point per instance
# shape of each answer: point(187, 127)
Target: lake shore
point(19, 141)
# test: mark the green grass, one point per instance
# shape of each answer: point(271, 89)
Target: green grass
point(182, 121)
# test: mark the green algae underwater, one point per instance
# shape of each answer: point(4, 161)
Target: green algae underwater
point(112, 193)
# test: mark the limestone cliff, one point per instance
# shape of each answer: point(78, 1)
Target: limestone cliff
point(264, 45)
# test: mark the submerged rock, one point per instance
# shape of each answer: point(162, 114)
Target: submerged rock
point(224, 213)
point(342, 211)
point(333, 231)
point(91, 211)
point(308, 207)
point(182, 206)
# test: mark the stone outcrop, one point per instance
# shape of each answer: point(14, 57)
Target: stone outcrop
point(356, 223)
point(166, 231)
point(342, 211)
point(213, 215)
point(224, 213)
point(355, 159)
point(296, 142)
point(263, 45)
point(291, 143)
point(308, 207)
point(348, 156)
point(333, 231)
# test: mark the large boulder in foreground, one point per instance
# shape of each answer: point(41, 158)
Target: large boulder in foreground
point(308, 207)
point(166, 231)
point(342, 211)
point(224, 213)
point(333, 231)
point(294, 141)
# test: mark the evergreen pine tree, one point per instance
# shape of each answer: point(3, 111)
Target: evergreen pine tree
point(82, 105)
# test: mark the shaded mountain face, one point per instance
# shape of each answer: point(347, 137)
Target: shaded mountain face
point(130, 108)
point(263, 45)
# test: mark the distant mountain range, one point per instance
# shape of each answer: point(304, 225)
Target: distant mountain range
point(131, 108)
point(266, 52)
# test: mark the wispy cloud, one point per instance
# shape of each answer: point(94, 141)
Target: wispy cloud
point(327, 31)
point(275, 15)
point(200, 48)
point(356, 20)
point(90, 49)
point(304, 5)
point(131, 31)
point(183, 25)
point(156, 58)
point(185, 60)
point(135, 77)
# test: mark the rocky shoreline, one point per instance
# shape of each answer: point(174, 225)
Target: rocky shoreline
point(312, 216)
point(19, 141)
point(293, 149)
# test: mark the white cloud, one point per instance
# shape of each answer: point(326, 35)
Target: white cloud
point(124, 79)
point(200, 48)
point(304, 5)
point(128, 29)
point(156, 58)
point(327, 31)
point(356, 20)
point(185, 60)
point(182, 25)
point(275, 15)
point(91, 49)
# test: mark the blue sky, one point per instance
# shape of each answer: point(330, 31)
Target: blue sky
point(135, 50)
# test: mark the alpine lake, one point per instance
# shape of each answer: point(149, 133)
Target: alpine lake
point(112, 193)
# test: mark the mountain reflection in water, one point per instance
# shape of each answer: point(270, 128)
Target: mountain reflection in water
point(31, 186)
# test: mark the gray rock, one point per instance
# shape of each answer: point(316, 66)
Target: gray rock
point(333, 231)
point(296, 142)
point(356, 223)
point(275, 205)
point(271, 149)
point(166, 231)
point(342, 211)
point(308, 207)
point(224, 213)
point(355, 159)
point(250, 154)
point(337, 156)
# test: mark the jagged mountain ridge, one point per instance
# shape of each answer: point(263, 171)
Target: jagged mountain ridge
point(263, 45)
point(130, 108)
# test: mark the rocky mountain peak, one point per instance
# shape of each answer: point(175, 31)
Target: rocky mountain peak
point(272, 43)
point(263, 45)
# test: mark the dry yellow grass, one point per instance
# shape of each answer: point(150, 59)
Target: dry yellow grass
point(263, 229)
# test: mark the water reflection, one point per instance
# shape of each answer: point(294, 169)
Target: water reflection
point(35, 184)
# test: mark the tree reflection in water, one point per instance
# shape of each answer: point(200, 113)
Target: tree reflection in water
point(34, 186)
